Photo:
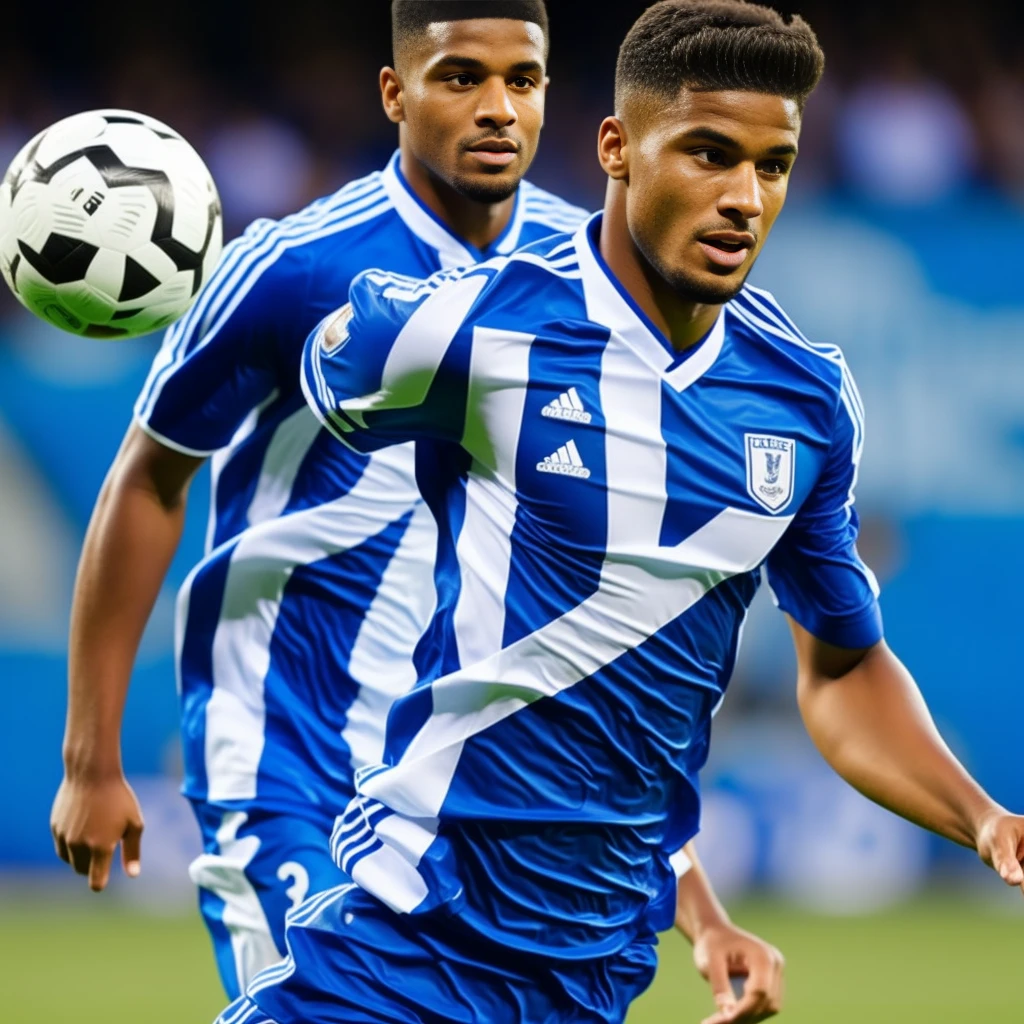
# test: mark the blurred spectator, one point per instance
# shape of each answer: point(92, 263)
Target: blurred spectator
point(262, 167)
point(903, 138)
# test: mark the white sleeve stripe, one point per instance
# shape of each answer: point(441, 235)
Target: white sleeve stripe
point(775, 313)
point(236, 263)
point(318, 411)
point(232, 271)
point(769, 301)
point(537, 200)
point(257, 234)
point(834, 356)
point(255, 271)
point(776, 316)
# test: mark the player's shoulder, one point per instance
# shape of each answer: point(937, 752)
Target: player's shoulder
point(380, 302)
point(546, 213)
point(536, 286)
point(761, 316)
point(540, 284)
point(316, 229)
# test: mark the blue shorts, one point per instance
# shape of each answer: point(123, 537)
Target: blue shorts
point(353, 961)
point(255, 866)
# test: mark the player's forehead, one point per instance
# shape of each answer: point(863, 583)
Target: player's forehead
point(499, 44)
point(754, 120)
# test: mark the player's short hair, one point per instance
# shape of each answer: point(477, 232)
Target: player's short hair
point(410, 18)
point(712, 45)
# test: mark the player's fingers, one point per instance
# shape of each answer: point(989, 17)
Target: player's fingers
point(99, 869)
point(131, 849)
point(777, 994)
point(59, 845)
point(749, 1009)
point(753, 1004)
point(81, 856)
point(718, 978)
point(1006, 857)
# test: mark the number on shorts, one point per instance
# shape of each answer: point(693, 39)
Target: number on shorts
point(294, 872)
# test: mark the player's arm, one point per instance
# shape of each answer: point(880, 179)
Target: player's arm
point(860, 705)
point(133, 534)
point(866, 715)
point(392, 364)
point(722, 951)
point(214, 366)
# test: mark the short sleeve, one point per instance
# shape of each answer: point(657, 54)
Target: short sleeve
point(815, 572)
point(222, 359)
point(393, 365)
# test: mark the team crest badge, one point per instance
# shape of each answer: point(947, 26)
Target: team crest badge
point(771, 470)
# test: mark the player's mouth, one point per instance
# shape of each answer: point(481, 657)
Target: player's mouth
point(495, 152)
point(728, 249)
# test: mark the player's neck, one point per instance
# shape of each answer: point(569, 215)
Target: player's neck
point(682, 322)
point(475, 222)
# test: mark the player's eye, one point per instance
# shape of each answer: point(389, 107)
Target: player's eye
point(522, 82)
point(777, 168)
point(709, 155)
point(463, 79)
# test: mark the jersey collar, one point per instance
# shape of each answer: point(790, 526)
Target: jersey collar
point(429, 228)
point(611, 306)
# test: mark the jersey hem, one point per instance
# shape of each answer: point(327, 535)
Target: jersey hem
point(198, 453)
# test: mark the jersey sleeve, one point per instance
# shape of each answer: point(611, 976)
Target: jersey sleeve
point(222, 359)
point(815, 572)
point(393, 365)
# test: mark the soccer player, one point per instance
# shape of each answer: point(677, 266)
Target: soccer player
point(616, 435)
point(297, 629)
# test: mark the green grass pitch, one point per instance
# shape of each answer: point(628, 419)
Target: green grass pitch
point(934, 962)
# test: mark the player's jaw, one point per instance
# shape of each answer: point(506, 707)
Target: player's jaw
point(705, 179)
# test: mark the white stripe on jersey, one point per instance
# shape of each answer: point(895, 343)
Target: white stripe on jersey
point(239, 271)
point(630, 605)
point(262, 562)
point(292, 439)
point(423, 339)
point(498, 374)
point(381, 660)
point(220, 459)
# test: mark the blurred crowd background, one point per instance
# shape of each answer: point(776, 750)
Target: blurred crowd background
point(902, 242)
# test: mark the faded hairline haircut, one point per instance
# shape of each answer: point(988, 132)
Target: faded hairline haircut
point(718, 45)
point(411, 18)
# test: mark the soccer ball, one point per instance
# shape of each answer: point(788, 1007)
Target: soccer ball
point(109, 224)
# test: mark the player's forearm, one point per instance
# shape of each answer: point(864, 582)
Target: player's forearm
point(697, 906)
point(131, 540)
point(872, 725)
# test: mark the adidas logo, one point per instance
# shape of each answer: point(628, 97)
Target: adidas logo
point(567, 406)
point(566, 462)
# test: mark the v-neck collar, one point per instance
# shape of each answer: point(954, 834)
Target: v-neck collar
point(452, 250)
point(609, 304)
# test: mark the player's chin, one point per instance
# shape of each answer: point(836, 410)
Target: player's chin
point(489, 186)
point(710, 287)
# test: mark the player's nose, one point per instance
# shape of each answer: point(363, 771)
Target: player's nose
point(743, 193)
point(494, 107)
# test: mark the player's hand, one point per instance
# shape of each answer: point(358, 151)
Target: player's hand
point(1001, 845)
point(723, 951)
point(89, 819)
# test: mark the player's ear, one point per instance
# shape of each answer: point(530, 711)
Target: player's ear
point(613, 148)
point(391, 95)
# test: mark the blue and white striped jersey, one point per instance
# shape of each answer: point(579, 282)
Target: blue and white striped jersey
point(297, 629)
point(604, 505)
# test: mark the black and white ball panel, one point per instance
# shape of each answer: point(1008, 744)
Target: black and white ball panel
point(109, 224)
